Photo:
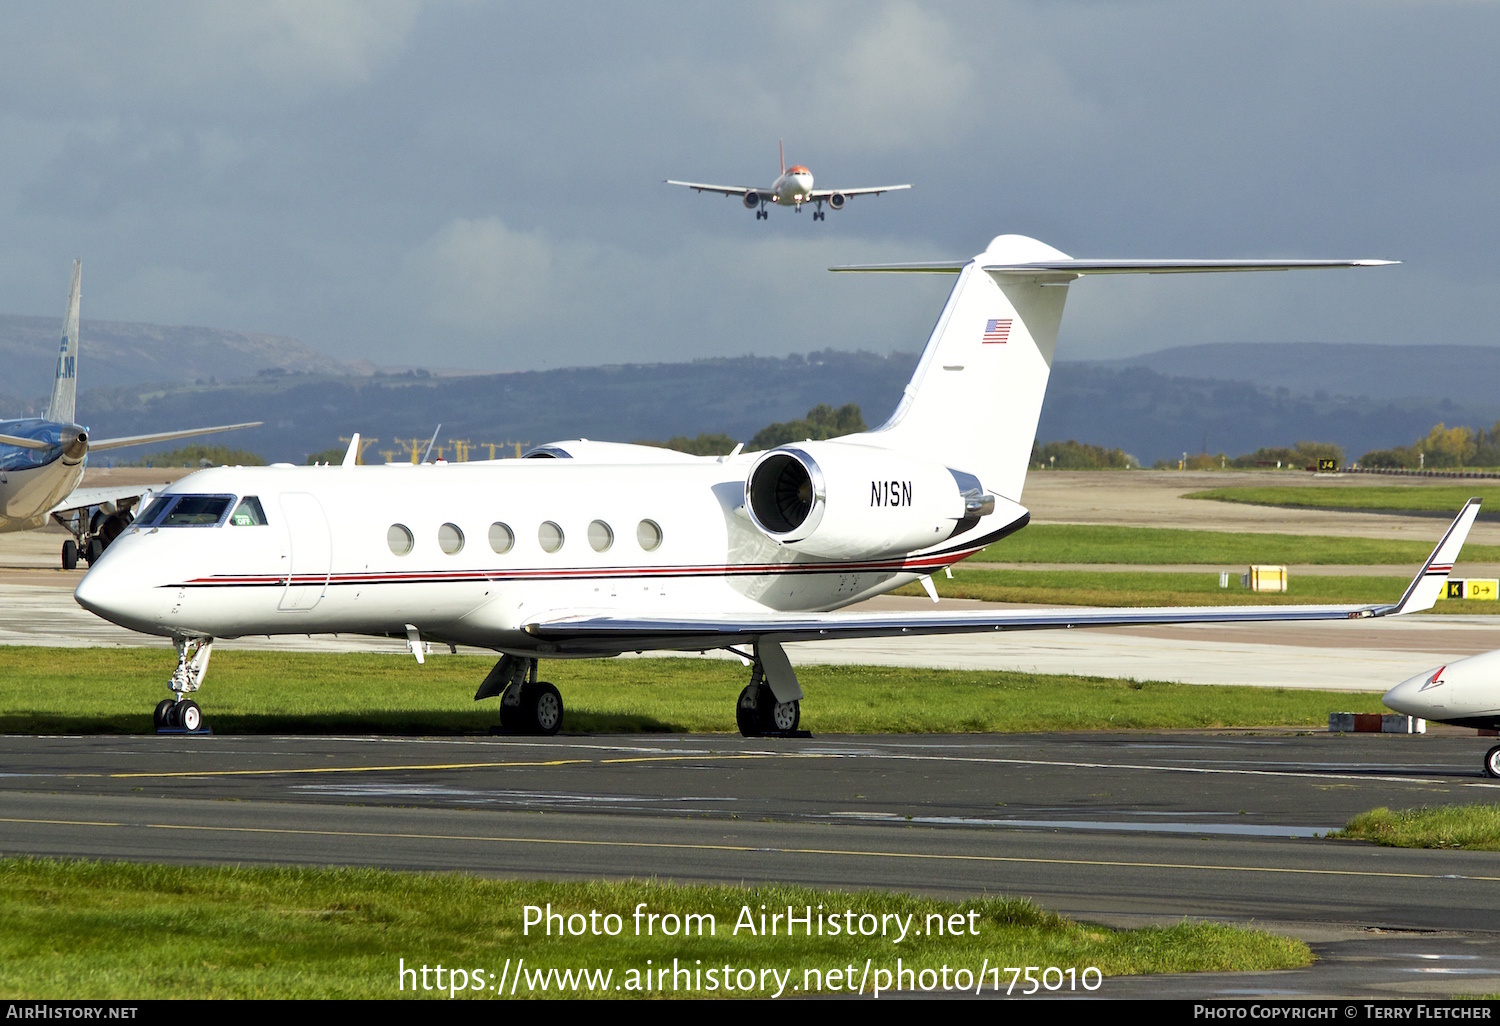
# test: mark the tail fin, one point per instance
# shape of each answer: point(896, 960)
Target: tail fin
point(976, 396)
point(781, 152)
point(65, 383)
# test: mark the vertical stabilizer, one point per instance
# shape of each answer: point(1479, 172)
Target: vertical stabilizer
point(781, 152)
point(65, 381)
point(976, 395)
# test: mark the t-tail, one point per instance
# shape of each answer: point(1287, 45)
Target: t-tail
point(65, 383)
point(976, 395)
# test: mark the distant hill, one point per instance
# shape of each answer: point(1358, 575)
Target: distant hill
point(1468, 375)
point(119, 353)
point(1150, 415)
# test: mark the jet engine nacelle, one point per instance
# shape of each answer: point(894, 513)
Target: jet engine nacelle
point(837, 201)
point(844, 501)
point(752, 200)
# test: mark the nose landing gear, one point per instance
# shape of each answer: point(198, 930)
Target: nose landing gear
point(179, 714)
point(1492, 762)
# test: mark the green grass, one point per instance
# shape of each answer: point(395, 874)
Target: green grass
point(1150, 588)
point(1472, 827)
point(1087, 543)
point(1446, 498)
point(90, 930)
point(112, 690)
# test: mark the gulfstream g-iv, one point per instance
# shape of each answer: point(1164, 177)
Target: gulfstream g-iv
point(593, 549)
point(42, 461)
point(1465, 692)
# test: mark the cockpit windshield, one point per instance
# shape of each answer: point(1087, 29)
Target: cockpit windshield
point(187, 511)
point(248, 513)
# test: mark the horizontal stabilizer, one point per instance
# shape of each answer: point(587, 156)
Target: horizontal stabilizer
point(166, 436)
point(1079, 267)
point(25, 443)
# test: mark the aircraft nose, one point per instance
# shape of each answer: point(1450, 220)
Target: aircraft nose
point(117, 596)
point(1414, 697)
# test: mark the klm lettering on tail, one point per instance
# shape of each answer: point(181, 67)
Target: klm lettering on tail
point(890, 493)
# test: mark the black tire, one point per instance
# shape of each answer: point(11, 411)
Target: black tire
point(510, 717)
point(174, 716)
point(1492, 762)
point(160, 714)
point(747, 712)
point(541, 709)
point(95, 550)
point(70, 555)
point(189, 716)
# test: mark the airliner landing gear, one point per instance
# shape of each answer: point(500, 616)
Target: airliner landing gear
point(179, 714)
point(527, 705)
point(92, 534)
point(1492, 762)
point(758, 714)
point(761, 215)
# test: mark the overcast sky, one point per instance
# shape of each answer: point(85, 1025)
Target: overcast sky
point(479, 185)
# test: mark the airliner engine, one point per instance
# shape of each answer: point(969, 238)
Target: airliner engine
point(843, 501)
point(837, 201)
point(752, 200)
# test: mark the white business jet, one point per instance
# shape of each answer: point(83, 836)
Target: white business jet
point(1465, 693)
point(42, 460)
point(594, 549)
point(792, 188)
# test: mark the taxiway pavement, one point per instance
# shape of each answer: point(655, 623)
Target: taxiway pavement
point(1117, 828)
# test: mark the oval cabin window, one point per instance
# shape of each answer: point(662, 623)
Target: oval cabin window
point(450, 539)
point(551, 536)
point(502, 538)
point(648, 533)
point(399, 539)
point(601, 536)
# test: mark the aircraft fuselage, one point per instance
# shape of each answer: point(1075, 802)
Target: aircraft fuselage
point(33, 481)
point(466, 552)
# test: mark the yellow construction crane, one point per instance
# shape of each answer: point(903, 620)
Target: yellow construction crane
point(416, 446)
point(460, 449)
point(364, 443)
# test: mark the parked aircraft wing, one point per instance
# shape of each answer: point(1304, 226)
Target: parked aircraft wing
point(583, 635)
point(85, 498)
point(727, 190)
point(165, 436)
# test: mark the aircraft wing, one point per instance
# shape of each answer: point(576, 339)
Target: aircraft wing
point(578, 635)
point(24, 443)
point(165, 436)
point(869, 190)
point(727, 190)
point(83, 498)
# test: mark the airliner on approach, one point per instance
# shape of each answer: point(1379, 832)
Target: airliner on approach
point(792, 188)
point(591, 549)
point(42, 460)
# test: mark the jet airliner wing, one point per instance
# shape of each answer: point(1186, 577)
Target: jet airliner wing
point(84, 498)
point(579, 635)
point(727, 190)
point(869, 190)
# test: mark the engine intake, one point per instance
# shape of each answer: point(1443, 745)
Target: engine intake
point(847, 501)
point(752, 200)
point(837, 201)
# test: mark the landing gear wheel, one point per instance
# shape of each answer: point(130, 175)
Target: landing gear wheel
point(541, 709)
point(757, 713)
point(70, 555)
point(747, 711)
point(161, 715)
point(189, 716)
point(95, 550)
point(1492, 762)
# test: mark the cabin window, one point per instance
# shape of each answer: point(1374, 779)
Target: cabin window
point(551, 536)
point(197, 511)
point(502, 538)
point(248, 513)
point(648, 533)
point(601, 537)
point(400, 539)
point(450, 539)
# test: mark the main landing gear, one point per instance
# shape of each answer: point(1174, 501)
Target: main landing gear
point(527, 705)
point(180, 714)
point(92, 534)
point(771, 704)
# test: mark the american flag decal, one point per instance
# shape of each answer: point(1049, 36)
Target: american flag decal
point(996, 331)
